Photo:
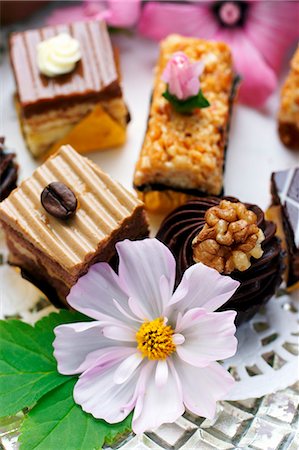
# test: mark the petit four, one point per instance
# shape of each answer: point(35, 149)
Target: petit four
point(68, 88)
point(233, 238)
point(8, 171)
point(284, 211)
point(288, 116)
point(65, 217)
point(183, 151)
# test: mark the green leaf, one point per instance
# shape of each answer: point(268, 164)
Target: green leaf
point(57, 422)
point(28, 369)
point(187, 106)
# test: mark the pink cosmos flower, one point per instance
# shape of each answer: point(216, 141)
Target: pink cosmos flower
point(258, 32)
point(182, 76)
point(148, 349)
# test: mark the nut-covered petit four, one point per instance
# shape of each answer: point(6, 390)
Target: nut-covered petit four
point(8, 171)
point(68, 88)
point(64, 218)
point(285, 213)
point(233, 238)
point(288, 116)
point(184, 147)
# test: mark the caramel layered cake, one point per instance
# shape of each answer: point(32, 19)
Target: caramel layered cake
point(233, 238)
point(288, 117)
point(284, 211)
point(68, 88)
point(65, 217)
point(184, 147)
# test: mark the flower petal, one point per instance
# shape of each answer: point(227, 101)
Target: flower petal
point(75, 342)
point(208, 337)
point(123, 13)
point(189, 318)
point(150, 411)
point(258, 78)
point(178, 339)
point(94, 294)
point(203, 387)
point(272, 27)
point(161, 375)
point(98, 394)
point(67, 15)
point(119, 333)
point(127, 367)
point(108, 355)
point(158, 20)
point(141, 266)
point(202, 287)
point(138, 308)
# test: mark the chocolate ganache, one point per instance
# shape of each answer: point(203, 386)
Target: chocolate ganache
point(258, 283)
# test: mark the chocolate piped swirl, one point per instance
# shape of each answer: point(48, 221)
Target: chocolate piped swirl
point(258, 283)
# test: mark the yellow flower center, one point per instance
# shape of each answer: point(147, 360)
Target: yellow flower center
point(155, 339)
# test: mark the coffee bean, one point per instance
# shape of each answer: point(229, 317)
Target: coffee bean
point(58, 200)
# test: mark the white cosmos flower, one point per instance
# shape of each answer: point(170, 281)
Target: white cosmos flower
point(149, 349)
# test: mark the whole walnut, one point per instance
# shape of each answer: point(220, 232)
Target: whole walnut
point(229, 238)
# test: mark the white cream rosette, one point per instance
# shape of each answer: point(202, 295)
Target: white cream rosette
point(58, 55)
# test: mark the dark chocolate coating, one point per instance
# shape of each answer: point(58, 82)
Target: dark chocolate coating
point(8, 171)
point(258, 283)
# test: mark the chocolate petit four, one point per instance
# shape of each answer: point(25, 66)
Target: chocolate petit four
point(288, 116)
point(233, 238)
point(183, 153)
point(68, 88)
point(65, 217)
point(284, 211)
point(8, 171)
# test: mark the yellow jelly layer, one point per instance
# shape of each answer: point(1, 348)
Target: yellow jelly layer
point(274, 214)
point(97, 131)
point(163, 201)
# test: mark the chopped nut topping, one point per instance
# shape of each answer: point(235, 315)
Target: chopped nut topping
point(229, 238)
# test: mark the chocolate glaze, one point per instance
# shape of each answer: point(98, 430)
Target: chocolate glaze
point(163, 187)
point(94, 78)
point(258, 283)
